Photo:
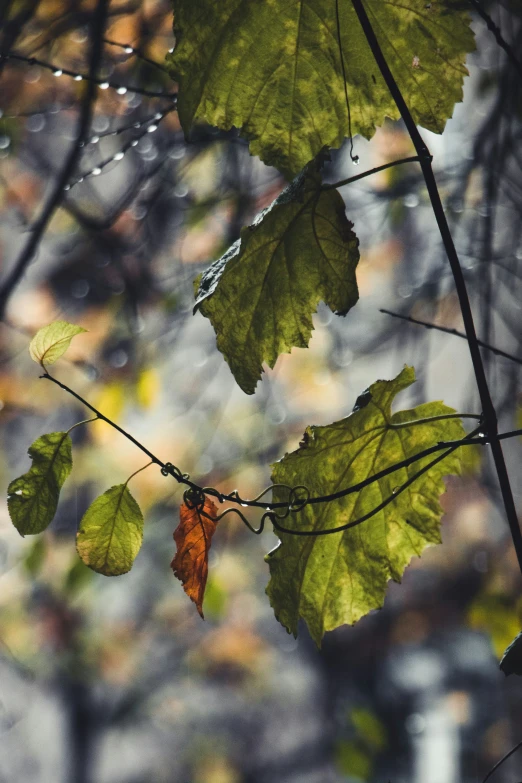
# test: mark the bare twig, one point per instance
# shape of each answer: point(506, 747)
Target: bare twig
point(56, 196)
point(492, 27)
point(454, 332)
point(59, 71)
point(129, 49)
point(343, 182)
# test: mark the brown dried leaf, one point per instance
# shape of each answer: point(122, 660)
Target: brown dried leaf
point(193, 537)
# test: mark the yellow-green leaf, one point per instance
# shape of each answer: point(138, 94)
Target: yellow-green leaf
point(335, 579)
point(273, 69)
point(111, 532)
point(32, 498)
point(51, 342)
point(260, 296)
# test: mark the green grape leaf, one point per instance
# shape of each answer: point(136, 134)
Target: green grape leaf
point(335, 579)
point(261, 294)
point(111, 532)
point(51, 342)
point(32, 498)
point(274, 71)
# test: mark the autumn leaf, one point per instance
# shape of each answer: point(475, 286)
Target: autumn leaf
point(193, 537)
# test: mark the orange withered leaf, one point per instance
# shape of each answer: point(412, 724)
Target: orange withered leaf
point(193, 537)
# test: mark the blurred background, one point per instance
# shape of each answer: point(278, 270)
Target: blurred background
point(119, 680)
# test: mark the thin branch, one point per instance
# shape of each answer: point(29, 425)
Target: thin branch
point(425, 159)
point(343, 182)
point(147, 127)
point(498, 35)
point(395, 494)
point(128, 49)
point(100, 416)
point(55, 198)
point(90, 77)
point(473, 439)
point(139, 471)
point(453, 332)
point(502, 760)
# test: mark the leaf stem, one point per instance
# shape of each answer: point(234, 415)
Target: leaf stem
point(85, 421)
point(425, 159)
point(398, 491)
point(139, 471)
point(364, 174)
point(453, 332)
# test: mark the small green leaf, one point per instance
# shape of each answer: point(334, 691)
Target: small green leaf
point(51, 342)
point(32, 498)
point(111, 532)
point(273, 69)
point(260, 296)
point(335, 579)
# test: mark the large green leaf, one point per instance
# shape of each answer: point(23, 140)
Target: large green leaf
point(32, 498)
point(50, 342)
point(273, 69)
point(111, 532)
point(261, 294)
point(335, 579)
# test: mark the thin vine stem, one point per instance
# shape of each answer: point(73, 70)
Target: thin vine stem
point(425, 161)
point(477, 437)
point(380, 507)
point(139, 471)
point(454, 332)
point(364, 174)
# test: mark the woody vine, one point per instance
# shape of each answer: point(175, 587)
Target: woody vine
point(360, 497)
